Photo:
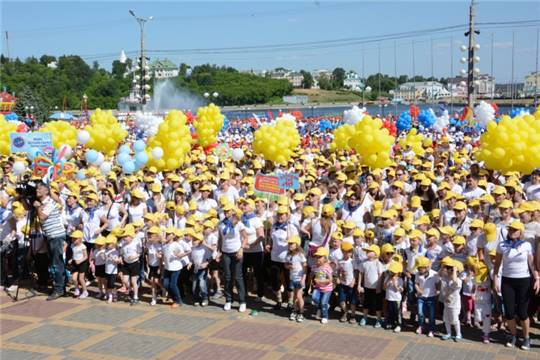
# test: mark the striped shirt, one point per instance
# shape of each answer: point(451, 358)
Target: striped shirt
point(52, 226)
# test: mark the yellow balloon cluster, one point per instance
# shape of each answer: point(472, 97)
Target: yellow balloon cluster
point(512, 145)
point(6, 127)
point(208, 124)
point(276, 142)
point(342, 135)
point(63, 133)
point(105, 132)
point(372, 142)
point(174, 138)
point(415, 141)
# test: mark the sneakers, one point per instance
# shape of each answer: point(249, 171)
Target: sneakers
point(110, 299)
point(77, 292)
point(318, 314)
point(293, 316)
point(204, 303)
point(485, 339)
point(446, 337)
point(196, 303)
point(363, 321)
point(511, 342)
point(343, 317)
point(430, 334)
point(153, 302)
point(324, 321)
point(457, 338)
point(299, 318)
point(227, 306)
point(526, 345)
point(83, 295)
point(134, 302)
point(54, 296)
point(378, 324)
point(397, 329)
point(242, 307)
point(419, 330)
point(352, 320)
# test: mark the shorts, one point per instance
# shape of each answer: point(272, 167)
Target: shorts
point(213, 265)
point(372, 300)
point(153, 272)
point(347, 294)
point(79, 268)
point(468, 303)
point(295, 285)
point(132, 269)
point(111, 279)
point(100, 271)
point(451, 315)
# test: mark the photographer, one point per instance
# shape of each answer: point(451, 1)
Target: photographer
point(49, 214)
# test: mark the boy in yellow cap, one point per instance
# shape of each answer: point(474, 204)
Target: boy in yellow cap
point(131, 251)
point(112, 259)
point(99, 260)
point(201, 255)
point(393, 287)
point(425, 286)
point(451, 297)
point(369, 284)
point(346, 280)
point(154, 255)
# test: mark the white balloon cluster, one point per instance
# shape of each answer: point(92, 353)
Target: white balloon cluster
point(147, 123)
point(484, 113)
point(354, 115)
point(442, 122)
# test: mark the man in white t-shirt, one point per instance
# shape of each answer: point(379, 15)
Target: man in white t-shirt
point(472, 191)
point(532, 188)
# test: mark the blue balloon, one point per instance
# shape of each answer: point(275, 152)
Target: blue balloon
point(139, 146)
point(124, 149)
point(141, 158)
point(129, 167)
point(92, 156)
point(404, 122)
point(122, 158)
point(80, 175)
point(325, 124)
point(226, 123)
point(520, 111)
point(426, 118)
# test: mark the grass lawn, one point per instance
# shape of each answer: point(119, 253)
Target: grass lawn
point(329, 96)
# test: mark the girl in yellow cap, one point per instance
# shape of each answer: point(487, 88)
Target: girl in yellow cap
point(426, 287)
point(370, 284)
point(322, 284)
point(296, 263)
point(393, 287)
point(154, 255)
point(450, 294)
point(79, 264)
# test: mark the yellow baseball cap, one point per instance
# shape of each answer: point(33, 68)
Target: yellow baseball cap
point(294, 240)
point(458, 240)
point(77, 234)
point(433, 232)
point(421, 261)
point(322, 251)
point(387, 248)
point(346, 246)
point(100, 240)
point(374, 248)
point(395, 267)
point(517, 225)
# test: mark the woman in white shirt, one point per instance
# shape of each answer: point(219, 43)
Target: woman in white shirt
point(232, 241)
point(73, 214)
point(172, 264)
point(137, 207)
point(517, 261)
point(254, 252)
point(112, 211)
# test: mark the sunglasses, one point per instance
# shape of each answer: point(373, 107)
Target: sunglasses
point(333, 192)
point(389, 253)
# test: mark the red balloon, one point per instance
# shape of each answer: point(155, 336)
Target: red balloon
point(390, 126)
point(22, 128)
point(414, 111)
point(208, 149)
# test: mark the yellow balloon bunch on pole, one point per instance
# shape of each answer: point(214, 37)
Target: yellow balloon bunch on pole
point(342, 135)
point(276, 142)
point(6, 127)
point(511, 145)
point(173, 142)
point(372, 142)
point(208, 124)
point(63, 133)
point(105, 132)
point(415, 141)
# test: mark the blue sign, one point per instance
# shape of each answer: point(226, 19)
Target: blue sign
point(289, 181)
point(24, 142)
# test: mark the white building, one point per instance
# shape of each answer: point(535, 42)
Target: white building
point(422, 90)
point(532, 84)
point(163, 69)
point(353, 81)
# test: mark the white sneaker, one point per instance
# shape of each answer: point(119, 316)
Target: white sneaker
point(227, 306)
point(84, 295)
point(397, 329)
point(153, 302)
point(242, 307)
point(324, 321)
point(77, 292)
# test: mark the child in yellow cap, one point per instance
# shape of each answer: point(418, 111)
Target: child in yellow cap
point(322, 284)
point(450, 293)
point(201, 256)
point(393, 286)
point(154, 255)
point(99, 260)
point(296, 263)
point(425, 286)
point(79, 264)
point(369, 284)
point(346, 281)
point(112, 259)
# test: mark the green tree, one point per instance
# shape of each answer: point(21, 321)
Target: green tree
point(307, 82)
point(29, 104)
point(325, 83)
point(338, 77)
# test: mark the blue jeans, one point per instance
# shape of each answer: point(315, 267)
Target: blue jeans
point(170, 282)
point(199, 283)
point(56, 254)
point(430, 303)
point(232, 265)
point(321, 299)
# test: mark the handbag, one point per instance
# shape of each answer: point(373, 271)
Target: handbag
point(313, 248)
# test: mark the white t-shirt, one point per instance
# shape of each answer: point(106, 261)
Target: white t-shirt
point(470, 194)
point(515, 258)
point(170, 261)
point(78, 251)
point(131, 252)
point(203, 206)
point(297, 262)
point(345, 270)
point(318, 237)
point(371, 270)
point(136, 212)
point(112, 215)
point(427, 283)
point(99, 256)
point(232, 241)
point(532, 191)
point(111, 266)
point(91, 223)
point(279, 242)
point(153, 250)
point(251, 231)
point(186, 247)
point(392, 292)
point(199, 255)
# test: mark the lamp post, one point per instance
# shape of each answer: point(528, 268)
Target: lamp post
point(144, 77)
point(85, 105)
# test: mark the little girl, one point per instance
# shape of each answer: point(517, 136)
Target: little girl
point(322, 283)
point(426, 286)
point(369, 284)
point(201, 256)
point(112, 259)
point(296, 263)
point(79, 264)
point(153, 259)
point(482, 299)
point(393, 287)
point(131, 251)
point(467, 291)
point(172, 255)
point(99, 258)
point(346, 280)
point(450, 291)
point(211, 241)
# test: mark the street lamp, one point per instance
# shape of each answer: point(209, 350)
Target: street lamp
point(206, 95)
point(215, 94)
point(142, 65)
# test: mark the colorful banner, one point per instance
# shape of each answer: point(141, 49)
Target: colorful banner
point(268, 184)
point(289, 181)
point(24, 142)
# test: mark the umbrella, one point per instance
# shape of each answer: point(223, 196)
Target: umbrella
point(61, 116)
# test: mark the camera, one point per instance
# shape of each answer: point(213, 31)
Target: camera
point(27, 191)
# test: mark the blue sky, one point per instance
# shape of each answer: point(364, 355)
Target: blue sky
point(100, 30)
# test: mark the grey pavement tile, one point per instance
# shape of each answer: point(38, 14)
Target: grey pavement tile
point(176, 323)
point(20, 355)
point(54, 336)
point(112, 316)
point(432, 351)
point(133, 346)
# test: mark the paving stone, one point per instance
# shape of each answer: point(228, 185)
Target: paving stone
point(39, 308)
point(7, 325)
point(176, 323)
point(207, 351)
point(432, 351)
point(256, 333)
point(20, 355)
point(105, 315)
point(54, 336)
point(133, 346)
point(345, 344)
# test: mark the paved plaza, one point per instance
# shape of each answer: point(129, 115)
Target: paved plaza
point(90, 329)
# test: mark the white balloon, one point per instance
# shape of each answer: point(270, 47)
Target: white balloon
point(354, 115)
point(68, 151)
point(83, 137)
point(442, 122)
point(157, 153)
point(18, 168)
point(105, 167)
point(147, 123)
point(100, 159)
point(237, 154)
point(484, 113)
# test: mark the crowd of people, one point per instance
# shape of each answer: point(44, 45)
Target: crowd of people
point(431, 237)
